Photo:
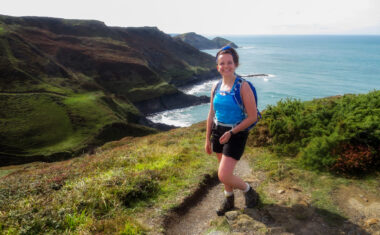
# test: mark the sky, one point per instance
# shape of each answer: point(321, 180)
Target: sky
point(212, 17)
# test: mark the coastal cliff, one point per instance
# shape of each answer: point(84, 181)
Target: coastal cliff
point(67, 85)
point(203, 43)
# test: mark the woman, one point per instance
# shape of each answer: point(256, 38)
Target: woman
point(226, 125)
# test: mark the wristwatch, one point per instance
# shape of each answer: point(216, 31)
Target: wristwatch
point(231, 132)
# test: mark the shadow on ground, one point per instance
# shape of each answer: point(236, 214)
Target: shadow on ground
point(298, 219)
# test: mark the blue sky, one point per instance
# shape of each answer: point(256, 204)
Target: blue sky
point(211, 17)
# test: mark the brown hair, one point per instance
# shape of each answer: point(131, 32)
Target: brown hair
point(231, 51)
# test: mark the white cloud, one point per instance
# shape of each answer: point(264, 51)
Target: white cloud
point(216, 16)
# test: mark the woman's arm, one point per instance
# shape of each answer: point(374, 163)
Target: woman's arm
point(249, 102)
point(210, 120)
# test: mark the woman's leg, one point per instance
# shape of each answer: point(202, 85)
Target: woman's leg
point(226, 174)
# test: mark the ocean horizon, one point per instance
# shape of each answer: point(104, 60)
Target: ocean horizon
point(301, 67)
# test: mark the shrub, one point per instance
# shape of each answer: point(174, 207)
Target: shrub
point(314, 130)
point(317, 154)
point(354, 159)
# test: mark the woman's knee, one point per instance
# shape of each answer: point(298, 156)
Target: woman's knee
point(224, 176)
point(226, 169)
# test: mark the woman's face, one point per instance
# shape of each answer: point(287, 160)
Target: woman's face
point(226, 65)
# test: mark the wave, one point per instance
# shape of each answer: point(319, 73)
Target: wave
point(264, 76)
point(200, 88)
point(172, 117)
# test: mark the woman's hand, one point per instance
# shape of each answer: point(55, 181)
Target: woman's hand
point(225, 137)
point(208, 147)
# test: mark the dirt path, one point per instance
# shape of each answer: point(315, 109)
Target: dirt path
point(197, 219)
point(298, 217)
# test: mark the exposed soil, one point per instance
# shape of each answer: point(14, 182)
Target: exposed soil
point(197, 219)
point(292, 212)
point(362, 208)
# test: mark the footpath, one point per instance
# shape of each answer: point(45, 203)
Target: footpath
point(282, 217)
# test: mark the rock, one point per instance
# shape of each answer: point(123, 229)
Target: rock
point(232, 215)
point(296, 189)
point(371, 221)
point(246, 223)
point(303, 203)
point(168, 102)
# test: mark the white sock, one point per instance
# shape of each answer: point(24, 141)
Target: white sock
point(228, 194)
point(247, 188)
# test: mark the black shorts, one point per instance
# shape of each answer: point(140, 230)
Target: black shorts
point(234, 147)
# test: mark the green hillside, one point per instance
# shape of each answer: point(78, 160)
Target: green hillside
point(130, 186)
point(104, 192)
point(69, 85)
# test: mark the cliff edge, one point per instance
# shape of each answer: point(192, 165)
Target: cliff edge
point(67, 85)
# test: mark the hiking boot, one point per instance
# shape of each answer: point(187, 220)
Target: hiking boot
point(251, 198)
point(227, 205)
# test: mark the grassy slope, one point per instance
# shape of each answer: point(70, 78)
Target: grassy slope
point(145, 178)
point(103, 192)
point(44, 114)
point(42, 124)
point(60, 79)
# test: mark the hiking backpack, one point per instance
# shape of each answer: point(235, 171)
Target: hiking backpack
point(238, 99)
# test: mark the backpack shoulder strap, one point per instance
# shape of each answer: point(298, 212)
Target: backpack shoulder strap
point(237, 95)
point(217, 87)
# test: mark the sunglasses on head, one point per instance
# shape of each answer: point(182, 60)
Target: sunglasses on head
point(225, 48)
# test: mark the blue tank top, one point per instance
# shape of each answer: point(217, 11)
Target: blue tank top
point(226, 109)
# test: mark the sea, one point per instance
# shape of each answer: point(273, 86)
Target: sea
point(301, 67)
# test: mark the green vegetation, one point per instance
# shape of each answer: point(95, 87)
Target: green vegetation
point(319, 188)
point(101, 193)
point(43, 123)
point(150, 92)
point(145, 178)
point(6, 50)
point(320, 132)
point(79, 79)
point(305, 144)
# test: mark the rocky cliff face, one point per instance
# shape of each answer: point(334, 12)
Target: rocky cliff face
point(221, 42)
point(203, 43)
point(65, 84)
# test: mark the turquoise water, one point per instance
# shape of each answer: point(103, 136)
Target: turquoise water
point(302, 67)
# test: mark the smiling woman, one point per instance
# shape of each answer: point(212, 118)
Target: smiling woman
point(227, 125)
